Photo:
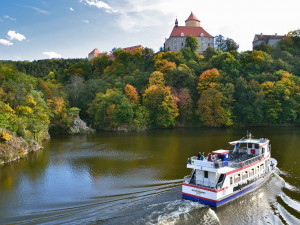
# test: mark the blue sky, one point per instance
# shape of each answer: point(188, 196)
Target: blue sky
point(38, 29)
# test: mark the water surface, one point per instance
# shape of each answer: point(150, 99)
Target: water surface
point(135, 178)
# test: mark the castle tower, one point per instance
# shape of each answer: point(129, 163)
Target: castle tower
point(177, 38)
point(192, 21)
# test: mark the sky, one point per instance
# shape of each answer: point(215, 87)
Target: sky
point(41, 29)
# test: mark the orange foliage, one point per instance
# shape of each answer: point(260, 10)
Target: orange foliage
point(208, 79)
point(57, 105)
point(46, 90)
point(30, 101)
point(164, 66)
point(132, 94)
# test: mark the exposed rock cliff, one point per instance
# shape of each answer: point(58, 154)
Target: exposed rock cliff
point(17, 147)
point(80, 127)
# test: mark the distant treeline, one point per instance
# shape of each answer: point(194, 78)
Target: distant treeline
point(140, 89)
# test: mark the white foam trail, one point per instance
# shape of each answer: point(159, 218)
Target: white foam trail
point(261, 195)
point(279, 177)
point(290, 219)
point(291, 187)
point(282, 172)
point(290, 202)
point(172, 212)
point(213, 214)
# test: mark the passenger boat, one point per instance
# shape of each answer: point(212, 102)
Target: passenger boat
point(231, 173)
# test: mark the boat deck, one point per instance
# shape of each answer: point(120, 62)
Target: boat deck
point(236, 160)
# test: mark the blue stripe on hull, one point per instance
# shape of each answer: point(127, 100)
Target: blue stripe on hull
point(207, 202)
point(215, 204)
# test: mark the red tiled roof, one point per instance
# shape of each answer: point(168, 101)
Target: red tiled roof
point(192, 17)
point(95, 51)
point(186, 30)
point(132, 48)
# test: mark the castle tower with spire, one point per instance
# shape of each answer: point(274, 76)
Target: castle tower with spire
point(176, 41)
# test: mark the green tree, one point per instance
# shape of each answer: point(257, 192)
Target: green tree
point(192, 43)
point(161, 105)
point(111, 110)
point(210, 108)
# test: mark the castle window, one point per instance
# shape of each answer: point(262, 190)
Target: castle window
point(201, 34)
point(182, 34)
point(181, 44)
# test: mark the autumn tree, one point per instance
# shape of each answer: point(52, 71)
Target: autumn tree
point(210, 108)
point(208, 79)
point(111, 109)
point(8, 119)
point(132, 94)
point(157, 78)
point(161, 105)
point(184, 103)
point(164, 66)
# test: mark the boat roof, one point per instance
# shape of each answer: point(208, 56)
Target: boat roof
point(261, 141)
point(220, 152)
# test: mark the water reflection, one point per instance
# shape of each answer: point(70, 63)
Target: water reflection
point(135, 178)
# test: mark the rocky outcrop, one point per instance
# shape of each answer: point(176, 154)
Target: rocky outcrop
point(16, 148)
point(80, 127)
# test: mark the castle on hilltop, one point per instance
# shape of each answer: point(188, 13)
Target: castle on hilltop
point(271, 40)
point(176, 41)
point(96, 52)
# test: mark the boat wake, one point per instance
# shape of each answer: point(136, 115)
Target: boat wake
point(180, 212)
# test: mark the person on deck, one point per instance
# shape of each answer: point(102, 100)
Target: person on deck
point(202, 156)
point(209, 157)
point(199, 155)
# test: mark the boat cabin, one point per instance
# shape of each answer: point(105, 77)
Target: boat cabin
point(252, 147)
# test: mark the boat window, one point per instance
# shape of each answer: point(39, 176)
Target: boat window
point(205, 174)
point(257, 146)
point(245, 175)
point(231, 180)
point(251, 173)
point(249, 145)
point(261, 167)
point(257, 169)
point(237, 178)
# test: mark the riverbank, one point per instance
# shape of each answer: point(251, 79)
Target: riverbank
point(14, 148)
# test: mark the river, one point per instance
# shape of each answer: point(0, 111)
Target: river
point(135, 178)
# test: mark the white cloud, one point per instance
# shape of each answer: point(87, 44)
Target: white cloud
point(52, 54)
point(5, 42)
point(71, 9)
point(42, 11)
point(85, 21)
point(12, 35)
point(100, 4)
point(9, 18)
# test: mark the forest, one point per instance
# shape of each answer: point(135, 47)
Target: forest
point(142, 90)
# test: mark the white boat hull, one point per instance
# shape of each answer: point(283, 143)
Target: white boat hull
point(221, 196)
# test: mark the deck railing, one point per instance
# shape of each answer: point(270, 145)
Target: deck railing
point(238, 163)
